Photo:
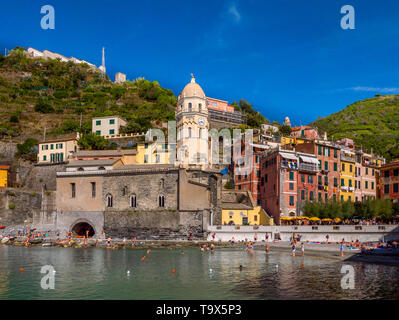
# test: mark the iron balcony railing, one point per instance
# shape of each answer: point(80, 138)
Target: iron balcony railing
point(308, 167)
point(345, 158)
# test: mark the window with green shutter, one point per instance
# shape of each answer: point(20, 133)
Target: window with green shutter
point(112, 121)
point(98, 123)
point(291, 175)
point(320, 151)
point(335, 166)
point(325, 165)
point(335, 153)
point(342, 182)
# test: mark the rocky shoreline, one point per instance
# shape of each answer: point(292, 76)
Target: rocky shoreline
point(325, 251)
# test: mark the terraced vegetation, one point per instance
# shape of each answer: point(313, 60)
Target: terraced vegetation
point(372, 123)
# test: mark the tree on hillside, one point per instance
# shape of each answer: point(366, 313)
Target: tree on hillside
point(27, 150)
point(285, 130)
point(91, 141)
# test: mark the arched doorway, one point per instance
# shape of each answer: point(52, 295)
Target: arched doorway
point(80, 228)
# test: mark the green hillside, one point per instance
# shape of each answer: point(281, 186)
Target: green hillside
point(371, 123)
point(37, 93)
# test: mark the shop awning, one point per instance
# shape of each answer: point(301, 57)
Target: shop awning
point(309, 160)
point(288, 156)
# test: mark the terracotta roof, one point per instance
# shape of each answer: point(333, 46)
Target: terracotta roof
point(59, 140)
point(300, 128)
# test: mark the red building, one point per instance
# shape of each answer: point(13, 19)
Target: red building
point(389, 181)
point(328, 177)
point(288, 180)
point(305, 132)
point(246, 179)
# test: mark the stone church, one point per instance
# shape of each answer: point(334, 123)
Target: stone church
point(152, 201)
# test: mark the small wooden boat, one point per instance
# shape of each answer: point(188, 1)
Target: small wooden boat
point(35, 241)
point(2, 227)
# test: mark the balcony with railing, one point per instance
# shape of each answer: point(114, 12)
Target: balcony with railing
point(308, 167)
point(288, 165)
point(347, 158)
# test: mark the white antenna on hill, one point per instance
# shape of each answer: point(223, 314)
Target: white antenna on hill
point(44, 134)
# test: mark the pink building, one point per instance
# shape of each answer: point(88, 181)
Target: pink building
point(220, 105)
point(305, 132)
point(288, 180)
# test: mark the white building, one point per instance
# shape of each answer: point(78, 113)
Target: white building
point(120, 77)
point(107, 126)
point(57, 150)
point(35, 53)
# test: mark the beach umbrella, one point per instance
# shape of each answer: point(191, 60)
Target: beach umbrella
point(314, 219)
point(326, 220)
point(337, 219)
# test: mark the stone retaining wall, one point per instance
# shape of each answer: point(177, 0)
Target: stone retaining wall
point(16, 206)
point(153, 224)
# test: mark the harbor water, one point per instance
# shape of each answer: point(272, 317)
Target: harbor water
point(124, 274)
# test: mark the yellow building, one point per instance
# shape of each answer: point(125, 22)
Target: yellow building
point(154, 153)
point(291, 140)
point(347, 175)
point(4, 176)
point(241, 214)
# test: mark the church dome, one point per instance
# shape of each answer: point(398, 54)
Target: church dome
point(193, 89)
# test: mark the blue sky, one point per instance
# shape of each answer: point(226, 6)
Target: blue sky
point(286, 57)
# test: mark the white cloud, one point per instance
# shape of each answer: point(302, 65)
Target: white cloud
point(373, 89)
point(234, 12)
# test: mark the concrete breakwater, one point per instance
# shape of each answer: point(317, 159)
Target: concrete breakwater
point(335, 233)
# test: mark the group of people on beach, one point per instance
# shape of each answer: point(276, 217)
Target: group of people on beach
point(207, 247)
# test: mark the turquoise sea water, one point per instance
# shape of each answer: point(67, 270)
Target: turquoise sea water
point(103, 274)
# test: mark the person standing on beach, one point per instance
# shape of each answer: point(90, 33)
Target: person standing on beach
point(303, 249)
point(267, 248)
point(293, 249)
point(342, 248)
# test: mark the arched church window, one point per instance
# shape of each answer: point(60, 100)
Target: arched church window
point(162, 183)
point(81, 169)
point(133, 201)
point(109, 201)
point(161, 201)
point(190, 107)
point(200, 107)
point(200, 133)
point(189, 132)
